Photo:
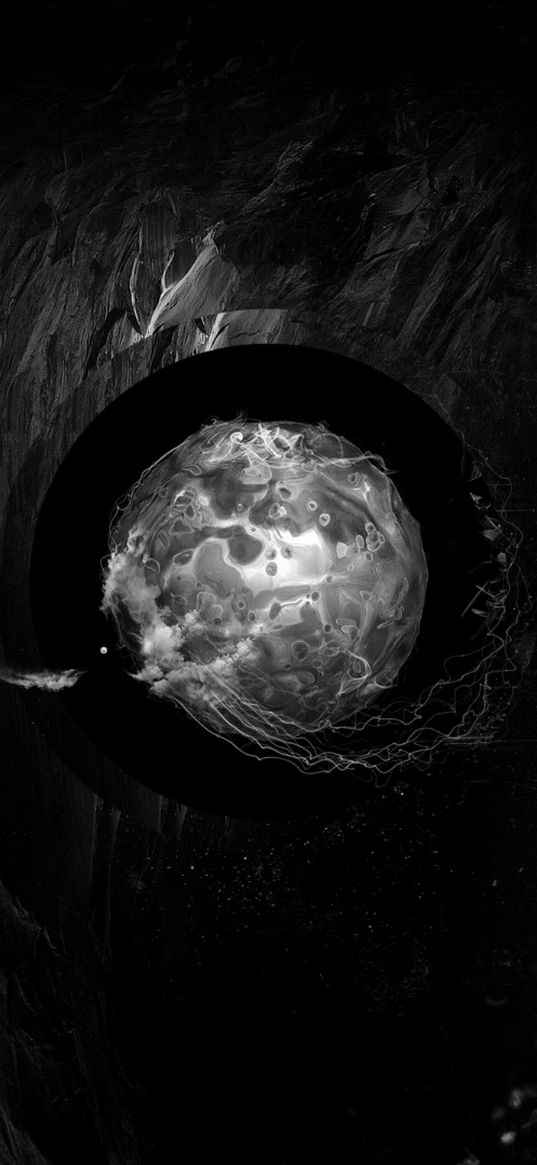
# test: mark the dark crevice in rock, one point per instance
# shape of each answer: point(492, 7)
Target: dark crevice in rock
point(101, 336)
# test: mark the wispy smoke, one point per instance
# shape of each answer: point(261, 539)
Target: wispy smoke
point(50, 681)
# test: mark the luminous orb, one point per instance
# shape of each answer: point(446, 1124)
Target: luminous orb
point(266, 577)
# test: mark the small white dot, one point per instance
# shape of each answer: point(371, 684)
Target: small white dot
point(104, 650)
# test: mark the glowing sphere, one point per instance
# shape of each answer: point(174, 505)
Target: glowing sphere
point(266, 577)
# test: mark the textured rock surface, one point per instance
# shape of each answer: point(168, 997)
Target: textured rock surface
point(167, 212)
point(61, 1085)
point(398, 227)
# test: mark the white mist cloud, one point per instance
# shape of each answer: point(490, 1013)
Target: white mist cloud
point(165, 645)
point(50, 681)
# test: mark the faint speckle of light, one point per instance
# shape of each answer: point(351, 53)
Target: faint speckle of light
point(508, 1138)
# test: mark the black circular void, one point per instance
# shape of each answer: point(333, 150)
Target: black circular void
point(151, 739)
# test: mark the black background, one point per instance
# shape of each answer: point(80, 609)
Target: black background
point(355, 981)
